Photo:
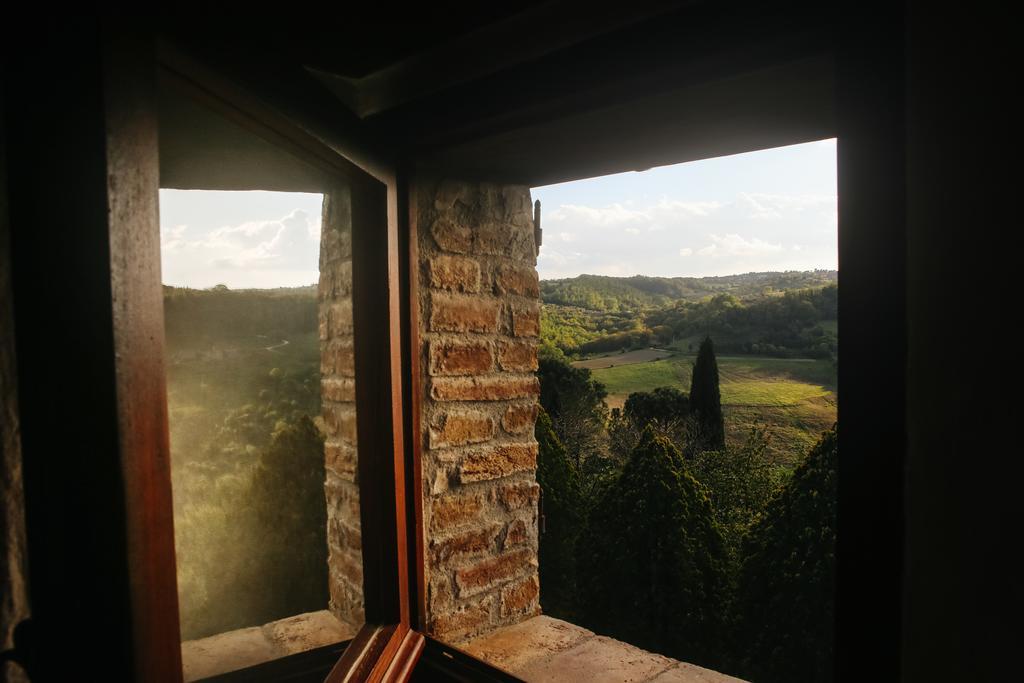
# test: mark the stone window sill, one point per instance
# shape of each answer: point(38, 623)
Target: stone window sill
point(245, 647)
point(545, 649)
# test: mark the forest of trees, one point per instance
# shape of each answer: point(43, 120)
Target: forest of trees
point(659, 534)
point(247, 461)
point(773, 314)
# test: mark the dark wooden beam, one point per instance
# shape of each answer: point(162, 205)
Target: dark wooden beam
point(493, 48)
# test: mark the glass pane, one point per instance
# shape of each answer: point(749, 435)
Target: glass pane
point(258, 313)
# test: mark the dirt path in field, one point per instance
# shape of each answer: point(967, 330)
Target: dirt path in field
point(615, 359)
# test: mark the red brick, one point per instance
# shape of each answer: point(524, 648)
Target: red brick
point(484, 574)
point(483, 388)
point(516, 496)
point(511, 278)
point(458, 428)
point(453, 511)
point(460, 358)
point(465, 543)
point(519, 418)
point(520, 597)
point(463, 313)
point(518, 356)
point(452, 236)
point(526, 321)
point(499, 461)
point(340, 389)
point(455, 273)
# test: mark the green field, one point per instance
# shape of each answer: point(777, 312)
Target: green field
point(793, 397)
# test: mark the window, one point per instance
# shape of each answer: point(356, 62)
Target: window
point(269, 389)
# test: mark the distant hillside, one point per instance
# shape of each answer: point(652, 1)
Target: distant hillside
point(607, 294)
point(201, 318)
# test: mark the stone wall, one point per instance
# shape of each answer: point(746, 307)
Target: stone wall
point(479, 323)
point(337, 390)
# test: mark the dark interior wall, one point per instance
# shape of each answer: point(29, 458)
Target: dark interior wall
point(873, 348)
point(14, 604)
point(964, 588)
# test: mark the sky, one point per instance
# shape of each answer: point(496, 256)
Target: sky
point(769, 210)
point(239, 239)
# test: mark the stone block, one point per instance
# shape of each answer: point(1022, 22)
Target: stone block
point(520, 418)
point(458, 428)
point(519, 495)
point(340, 421)
point(460, 358)
point(450, 511)
point(526, 321)
point(463, 313)
point(339, 315)
point(498, 461)
point(466, 620)
point(455, 273)
point(518, 279)
point(517, 356)
point(485, 574)
point(342, 459)
point(501, 388)
point(520, 597)
point(339, 389)
point(472, 541)
point(452, 236)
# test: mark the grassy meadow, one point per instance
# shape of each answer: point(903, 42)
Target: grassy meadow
point(794, 398)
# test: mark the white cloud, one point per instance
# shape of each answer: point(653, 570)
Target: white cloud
point(735, 245)
point(288, 242)
point(751, 232)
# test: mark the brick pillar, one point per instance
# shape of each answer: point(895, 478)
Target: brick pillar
point(337, 391)
point(479, 322)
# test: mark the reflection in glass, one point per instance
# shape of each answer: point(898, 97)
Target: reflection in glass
point(255, 332)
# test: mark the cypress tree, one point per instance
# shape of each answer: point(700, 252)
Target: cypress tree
point(561, 502)
point(785, 597)
point(651, 562)
point(706, 401)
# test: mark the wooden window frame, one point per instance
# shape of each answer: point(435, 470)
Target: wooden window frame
point(386, 646)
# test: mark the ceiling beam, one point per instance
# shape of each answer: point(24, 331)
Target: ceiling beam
point(524, 37)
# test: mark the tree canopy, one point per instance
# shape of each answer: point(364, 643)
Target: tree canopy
point(652, 566)
point(785, 599)
point(706, 400)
